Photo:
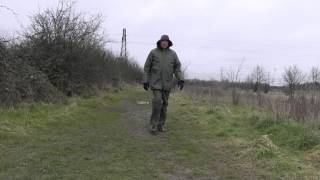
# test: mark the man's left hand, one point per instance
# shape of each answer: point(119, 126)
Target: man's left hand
point(180, 84)
point(146, 86)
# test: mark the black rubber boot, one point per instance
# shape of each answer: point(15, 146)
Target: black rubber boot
point(161, 128)
point(153, 130)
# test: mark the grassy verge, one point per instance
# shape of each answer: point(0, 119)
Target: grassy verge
point(82, 139)
point(257, 146)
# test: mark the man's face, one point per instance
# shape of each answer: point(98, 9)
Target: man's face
point(164, 44)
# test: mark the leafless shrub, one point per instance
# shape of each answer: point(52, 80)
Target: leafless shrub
point(293, 77)
point(233, 77)
point(258, 78)
point(315, 83)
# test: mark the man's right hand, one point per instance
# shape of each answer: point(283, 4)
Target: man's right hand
point(146, 86)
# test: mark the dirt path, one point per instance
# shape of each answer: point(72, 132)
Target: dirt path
point(137, 116)
point(136, 121)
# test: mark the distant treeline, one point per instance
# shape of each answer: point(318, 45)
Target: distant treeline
point(225, 84)
point(61, 53)
point(253, 86)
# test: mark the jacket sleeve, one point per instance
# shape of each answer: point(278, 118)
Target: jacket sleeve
point(177, 68)
point(147, 69)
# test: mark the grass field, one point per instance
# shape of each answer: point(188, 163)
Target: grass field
point(107, 138)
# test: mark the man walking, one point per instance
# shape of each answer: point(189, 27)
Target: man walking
point(162, 63)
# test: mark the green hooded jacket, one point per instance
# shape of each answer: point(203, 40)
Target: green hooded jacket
point(160, 66)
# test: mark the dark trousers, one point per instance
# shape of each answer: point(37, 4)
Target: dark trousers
point(159, 107)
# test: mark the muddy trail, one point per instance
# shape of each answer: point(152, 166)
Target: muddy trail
point(136, 121)
point(170, 144)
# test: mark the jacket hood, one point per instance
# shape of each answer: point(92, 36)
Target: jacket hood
point(164, 38)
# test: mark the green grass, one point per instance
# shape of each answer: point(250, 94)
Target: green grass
point(94, 138)
point(238, 130)
point(290, 135)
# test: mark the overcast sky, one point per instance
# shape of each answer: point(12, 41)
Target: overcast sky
point(207, 34)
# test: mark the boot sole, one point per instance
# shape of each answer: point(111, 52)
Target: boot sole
point(153, 133)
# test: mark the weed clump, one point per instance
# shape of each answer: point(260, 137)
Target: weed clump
point(260, 121)
point(218, 111)
point(287, 134)
point(314, 154)
point(264, 147)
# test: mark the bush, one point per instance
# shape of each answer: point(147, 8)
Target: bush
point(21, 82)
point(62, 53)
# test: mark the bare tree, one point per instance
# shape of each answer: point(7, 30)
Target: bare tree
point(315, 77)
point(233, 77)
point(2, 41)
point(315, 83)
point(293, 78)
point(259, 79)
point(185, 69)
point(67, 46)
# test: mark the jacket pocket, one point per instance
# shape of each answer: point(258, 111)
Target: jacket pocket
point(155, 69)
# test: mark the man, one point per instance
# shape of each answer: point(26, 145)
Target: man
point(162, 63)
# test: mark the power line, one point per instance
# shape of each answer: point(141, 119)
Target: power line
point(14, 13)
point(209, 44)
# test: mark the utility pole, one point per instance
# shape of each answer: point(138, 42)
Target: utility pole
point(123, 52)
